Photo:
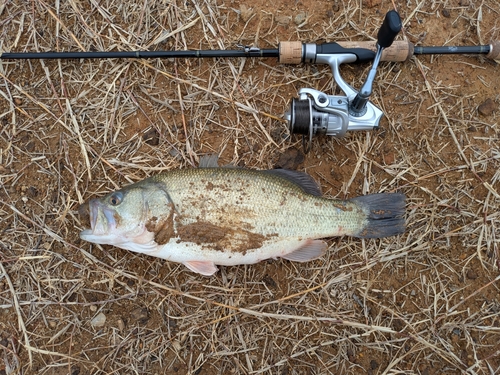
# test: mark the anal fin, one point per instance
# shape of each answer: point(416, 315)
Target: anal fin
point(308, 250)
point(206, 267)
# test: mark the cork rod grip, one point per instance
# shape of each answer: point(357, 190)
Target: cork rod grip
point(290, 52)
point(398, 51)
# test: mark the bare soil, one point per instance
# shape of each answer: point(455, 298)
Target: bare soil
point(426, 302)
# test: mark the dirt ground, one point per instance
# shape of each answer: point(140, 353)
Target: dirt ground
point(425, 302)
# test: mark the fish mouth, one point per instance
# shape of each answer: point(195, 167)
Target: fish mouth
point(101, 218)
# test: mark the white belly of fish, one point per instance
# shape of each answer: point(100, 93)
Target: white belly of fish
point(182, 252)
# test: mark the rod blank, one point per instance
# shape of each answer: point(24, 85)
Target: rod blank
point(140, 54)
point(452, 50)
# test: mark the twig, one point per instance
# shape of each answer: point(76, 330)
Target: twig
point(20, 319)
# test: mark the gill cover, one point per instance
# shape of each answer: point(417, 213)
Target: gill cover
point(120, 217)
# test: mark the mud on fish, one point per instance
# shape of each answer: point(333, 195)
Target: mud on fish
point(204, 217)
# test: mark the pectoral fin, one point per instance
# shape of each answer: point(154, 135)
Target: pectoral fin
point(206, 268)
point(309, 250)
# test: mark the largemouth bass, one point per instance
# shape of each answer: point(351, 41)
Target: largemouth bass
point(204, 217)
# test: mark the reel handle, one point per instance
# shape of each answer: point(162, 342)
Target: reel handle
point(389, 30)
point(387, 33)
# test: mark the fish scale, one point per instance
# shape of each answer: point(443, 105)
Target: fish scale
point(273, 205)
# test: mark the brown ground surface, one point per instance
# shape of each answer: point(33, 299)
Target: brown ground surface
point(425, 302)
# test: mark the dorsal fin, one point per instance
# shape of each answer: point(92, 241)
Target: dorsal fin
point(303, 180)
point(209, 161)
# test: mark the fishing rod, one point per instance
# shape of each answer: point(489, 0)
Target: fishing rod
point(287, 53)
point(313, 112)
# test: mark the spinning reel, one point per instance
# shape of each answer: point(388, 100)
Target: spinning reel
point(317, 113)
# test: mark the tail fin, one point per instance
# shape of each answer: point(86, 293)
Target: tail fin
point(385, 214)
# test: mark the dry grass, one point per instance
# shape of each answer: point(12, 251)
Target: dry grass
point(422, 303)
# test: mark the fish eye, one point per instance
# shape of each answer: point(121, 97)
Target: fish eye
point(116, 198)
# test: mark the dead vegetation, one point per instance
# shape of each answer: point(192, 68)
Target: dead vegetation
point(422, 303)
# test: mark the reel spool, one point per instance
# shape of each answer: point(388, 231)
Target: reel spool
point(308, 119)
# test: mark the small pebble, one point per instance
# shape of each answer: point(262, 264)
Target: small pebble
point(151, 137)
point(176, 345)
point(140, 315)
point(269, 281)
point(300, 18)
point(371, 3)
point(282, 20)
point(389, 158)
point(120, 324)
point(398, 325)
point(290, 159)
point(32, 192)
point(172, 324)
point(351, 356)
point(445, 13)
point(98, 321)
point(245, 13)
point(18, 101)
point(93, 308)
point(30, 146)
point(487, 107)
point(471, 274)
point(175, 154)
